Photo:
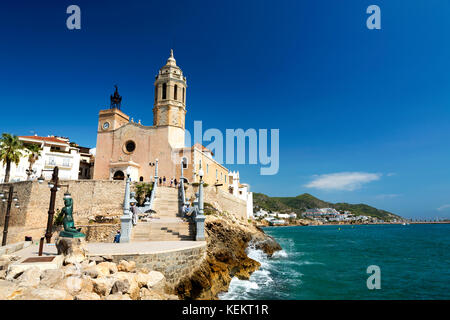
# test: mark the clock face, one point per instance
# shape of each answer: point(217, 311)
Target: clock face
point(105, 125)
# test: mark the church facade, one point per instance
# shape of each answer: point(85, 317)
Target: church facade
point(126, 146)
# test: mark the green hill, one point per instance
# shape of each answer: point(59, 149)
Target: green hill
point(305, 201)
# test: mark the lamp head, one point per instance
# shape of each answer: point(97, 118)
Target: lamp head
point(41, 179)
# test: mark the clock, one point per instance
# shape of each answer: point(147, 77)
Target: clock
point(105, 125)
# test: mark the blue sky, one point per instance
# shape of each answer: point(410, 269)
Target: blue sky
point(363, 114)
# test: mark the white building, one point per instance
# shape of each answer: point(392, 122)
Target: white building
point(55, 151)
point(241, 191)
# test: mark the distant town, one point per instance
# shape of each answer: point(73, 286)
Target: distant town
point(320, 216)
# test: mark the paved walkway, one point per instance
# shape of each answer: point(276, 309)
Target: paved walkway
point(97, 249)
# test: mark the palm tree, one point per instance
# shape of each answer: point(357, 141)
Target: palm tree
point(10, 151)
point(34, 152)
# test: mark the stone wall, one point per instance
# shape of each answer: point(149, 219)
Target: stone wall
point(221, 200)
point(91, 198)
point(174, 264)
point(100, 232)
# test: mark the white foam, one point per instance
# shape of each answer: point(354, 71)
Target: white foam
point(280, 254)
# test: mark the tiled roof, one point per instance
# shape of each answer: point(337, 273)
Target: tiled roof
point(203, 148)
point(46, 139)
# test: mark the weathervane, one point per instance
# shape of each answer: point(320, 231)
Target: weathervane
point(116, 99)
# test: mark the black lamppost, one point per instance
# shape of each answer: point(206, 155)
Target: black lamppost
point(9, 197)
point(54, 186)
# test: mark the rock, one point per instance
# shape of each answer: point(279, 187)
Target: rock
point(30, 277)
point(43, 293)
point(143, 270)
point(126, 266)
point(121, 286)
point(91, 272)
point(73, 249)
point(71, 270)
point(155, 280)
point(87, 296)
point(107, 258)
point(13, 272)
point(87, 263)
point(51, 277)
point(118, 296)
point(8, 290)
point(74, 285)
point(103, 285)
point(4, 263)
point(268, 246)
point(133, 290)
point(227, 242)
point(96, 259)
point(106, 268)
point(146, 294)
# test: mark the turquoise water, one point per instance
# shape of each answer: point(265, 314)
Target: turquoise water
point(330, 262)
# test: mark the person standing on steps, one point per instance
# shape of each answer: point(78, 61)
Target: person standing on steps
point(164, 181)
point(171, 182)
point(175, 182)
point(160, 181)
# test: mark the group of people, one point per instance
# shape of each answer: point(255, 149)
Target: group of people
point(173, 182)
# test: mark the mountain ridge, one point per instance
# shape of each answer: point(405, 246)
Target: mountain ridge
point(300, 203)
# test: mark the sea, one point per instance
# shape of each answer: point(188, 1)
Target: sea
point(331, 262)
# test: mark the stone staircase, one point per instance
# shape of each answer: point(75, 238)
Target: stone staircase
point(169, 226)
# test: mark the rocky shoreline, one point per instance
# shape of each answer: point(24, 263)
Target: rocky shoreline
point(227, 242)
point(98, 278)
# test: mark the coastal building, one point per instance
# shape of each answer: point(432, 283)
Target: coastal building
point(241, 191)
point(55, 151)
point(87, 158)
point(125, 146)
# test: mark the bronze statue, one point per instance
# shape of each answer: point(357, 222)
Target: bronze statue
point(69, 225)
point(116, 99)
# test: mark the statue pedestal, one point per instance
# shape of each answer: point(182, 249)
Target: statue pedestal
point(73, 249)
point(125, 228)
point(71, 235)
point(200, 227)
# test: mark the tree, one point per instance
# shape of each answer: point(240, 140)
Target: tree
point(10, 151)
point(143, 190)
point(34, 152)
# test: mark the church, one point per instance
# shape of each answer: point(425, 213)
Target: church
point(126, 146)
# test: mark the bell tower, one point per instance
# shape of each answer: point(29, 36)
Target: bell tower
point(170, 96)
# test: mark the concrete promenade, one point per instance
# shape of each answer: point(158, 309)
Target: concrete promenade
point(131, 248)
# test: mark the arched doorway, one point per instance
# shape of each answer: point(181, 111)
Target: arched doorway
point(119, 175)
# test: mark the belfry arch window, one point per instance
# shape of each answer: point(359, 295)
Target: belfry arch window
point(164, 93)
point(175, 92)
point(156, 93)
point(183, 95)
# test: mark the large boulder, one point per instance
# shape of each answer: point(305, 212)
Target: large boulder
point(121, 286)
point(126, 266)
point(72, 270)
point(43, 293)
point(153, 279)
point(87, 296)
point(91, 272)
point(106, 268)
point(118, 296)
point(29, 278)
point(8, 289)
point(73, 249)
point(103, 285)
point(51, 277)
point(133, 289)
point(75, 285)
